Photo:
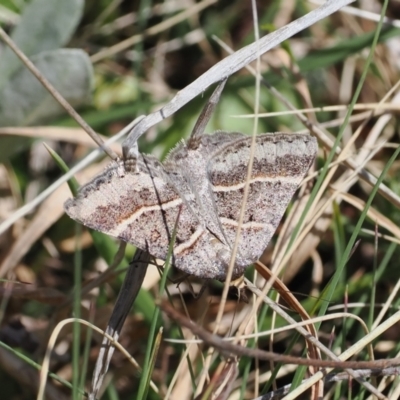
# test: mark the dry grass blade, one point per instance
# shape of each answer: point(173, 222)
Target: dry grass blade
point(154, 59)
point(320, 374)
point(229, 350)
point(68, 135)
point(226, 68)
point(221, 383)
point(128, 43)
point(94, 155)
point(313, 352)
point(48, 213)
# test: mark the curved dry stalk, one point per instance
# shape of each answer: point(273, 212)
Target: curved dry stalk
point(228, 350)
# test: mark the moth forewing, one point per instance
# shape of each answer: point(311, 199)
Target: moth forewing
point(205, 183)
point(279, 165)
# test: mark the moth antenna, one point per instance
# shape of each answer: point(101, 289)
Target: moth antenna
point(206, 113)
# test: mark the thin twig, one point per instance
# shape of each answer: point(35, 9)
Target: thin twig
point(229, 350)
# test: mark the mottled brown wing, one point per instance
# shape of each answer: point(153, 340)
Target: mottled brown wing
point(280, 163)
point(141, 207)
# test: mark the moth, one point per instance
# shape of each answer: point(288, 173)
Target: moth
point(199, 190)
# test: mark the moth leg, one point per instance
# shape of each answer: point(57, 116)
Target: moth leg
point(185, 278)
point(240, 291)
point(204, 286)
point(206, 113)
